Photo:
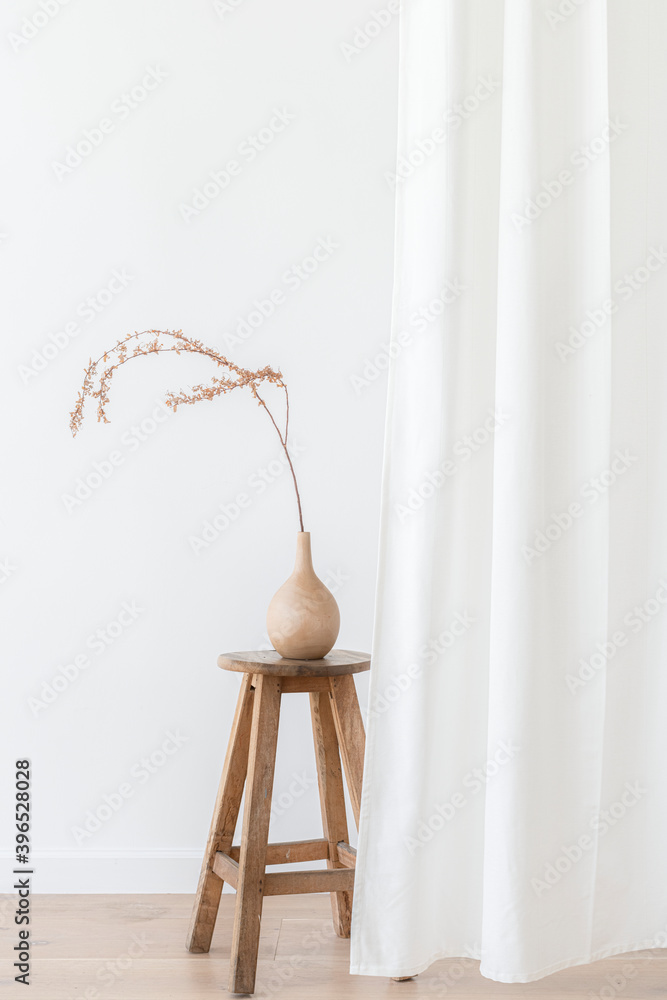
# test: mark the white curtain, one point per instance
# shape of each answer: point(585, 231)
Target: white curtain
point(515, 797)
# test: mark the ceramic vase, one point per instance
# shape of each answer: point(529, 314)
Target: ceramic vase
point(303, 618)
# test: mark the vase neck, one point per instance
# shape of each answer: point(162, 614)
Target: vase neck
point(304, 561)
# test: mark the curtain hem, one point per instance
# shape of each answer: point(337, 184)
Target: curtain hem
point(362, 969)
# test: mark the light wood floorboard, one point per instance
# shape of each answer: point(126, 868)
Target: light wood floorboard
point(133, 948)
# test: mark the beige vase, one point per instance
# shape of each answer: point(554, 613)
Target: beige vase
point(303, 618)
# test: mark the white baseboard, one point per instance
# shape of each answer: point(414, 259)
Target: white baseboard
point(108, 871)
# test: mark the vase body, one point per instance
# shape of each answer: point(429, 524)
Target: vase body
point(303, 618)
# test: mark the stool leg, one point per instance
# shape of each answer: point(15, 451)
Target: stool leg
point(332, 799)
point(223, 824)
point(256, 815)
point(351, 735)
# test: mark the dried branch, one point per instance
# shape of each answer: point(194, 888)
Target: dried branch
point(218, 384)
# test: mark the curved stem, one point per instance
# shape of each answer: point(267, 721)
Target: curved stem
point(283, 442)
point(185, 342)
point(162, 350)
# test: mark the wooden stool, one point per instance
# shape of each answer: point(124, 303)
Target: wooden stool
point(337, 725)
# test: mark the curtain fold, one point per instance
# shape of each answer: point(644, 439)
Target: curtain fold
point(515, 801)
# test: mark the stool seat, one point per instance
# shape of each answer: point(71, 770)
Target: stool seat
point(268, 661)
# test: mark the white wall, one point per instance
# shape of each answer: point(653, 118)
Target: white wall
point(70, 567)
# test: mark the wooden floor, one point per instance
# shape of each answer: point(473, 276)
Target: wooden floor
point(132, 948)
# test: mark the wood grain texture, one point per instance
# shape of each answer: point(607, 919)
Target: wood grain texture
point(82, 942)
point(332, 800)
point(304, 683)
point(268, 661)
point(351, 737)
point(223, 824)
point(102, 927)
point(226, 869)
point(346, 855)
point(339, 882)
point(256, 815)
point(291, 851)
